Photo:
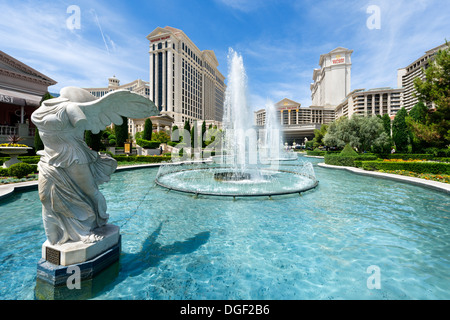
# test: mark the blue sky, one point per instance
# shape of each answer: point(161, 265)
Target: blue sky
point(280, 41)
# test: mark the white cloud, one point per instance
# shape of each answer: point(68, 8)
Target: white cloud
point(408, 29)
point(244, 5)
point(84, 57)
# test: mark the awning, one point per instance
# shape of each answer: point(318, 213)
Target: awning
point(19, 98)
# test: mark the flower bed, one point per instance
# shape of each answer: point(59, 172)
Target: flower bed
point(13, 145)
point(445, 178)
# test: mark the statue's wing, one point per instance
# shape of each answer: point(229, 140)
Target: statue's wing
point(115, 105)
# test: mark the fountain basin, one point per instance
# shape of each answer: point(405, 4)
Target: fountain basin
point(220, 180)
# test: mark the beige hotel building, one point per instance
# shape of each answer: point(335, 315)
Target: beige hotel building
point(331, 96)
point(185, 83)
point(406, 76)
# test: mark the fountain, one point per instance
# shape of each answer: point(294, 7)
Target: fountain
point(271, 147)
point(242, 168)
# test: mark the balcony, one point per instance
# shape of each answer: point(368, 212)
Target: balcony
point(22, 130)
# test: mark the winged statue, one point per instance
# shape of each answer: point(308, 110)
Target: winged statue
point(69, 171)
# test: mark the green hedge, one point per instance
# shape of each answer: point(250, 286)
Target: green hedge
point(316, 153)
point(438, 152)
point(26, 159)
point(148, 144)
point(417, 167)
point(338, 160)
point(320, 153)
point(145, 159)
point(407, 156)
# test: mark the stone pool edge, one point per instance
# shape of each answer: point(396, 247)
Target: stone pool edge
point(439, 186)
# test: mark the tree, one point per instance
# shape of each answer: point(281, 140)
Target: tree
point(175, 137)
point(400, 132)
point(187, 126)
point(333, 138)
point(121, 132)
point(38, 144)
point(194, 132)
point(435, 88)
point(419, 113)
point(417, 125)
point(148, 130)
point(370, 133)
point(93, 140)
point(358, 131)
point(387, 125)
point(319, 134)
point(203, 133)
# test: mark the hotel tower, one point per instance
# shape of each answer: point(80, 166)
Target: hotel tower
point(185, 83)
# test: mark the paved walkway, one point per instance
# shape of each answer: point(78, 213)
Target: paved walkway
point(440, 186)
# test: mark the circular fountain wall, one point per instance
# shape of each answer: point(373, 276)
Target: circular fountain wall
point(221, 180)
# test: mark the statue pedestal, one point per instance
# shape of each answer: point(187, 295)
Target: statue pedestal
point(89, 259)
point(76, 252)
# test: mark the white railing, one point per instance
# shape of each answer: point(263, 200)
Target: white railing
point(8, 131)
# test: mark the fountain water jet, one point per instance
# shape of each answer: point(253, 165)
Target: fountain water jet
point(239, 170)
point(271, 148)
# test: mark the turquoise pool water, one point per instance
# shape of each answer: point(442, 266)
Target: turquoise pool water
point(315, 246)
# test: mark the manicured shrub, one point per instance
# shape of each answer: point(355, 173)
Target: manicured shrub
point(148, 130)
point(417, 167)
point(20, 170)
point(121, 132)
point(348, 151)
point(172, 143)
point(30, 160)
point(4, 172)
point(147, 144)
point(338, 160)
point(316, 152)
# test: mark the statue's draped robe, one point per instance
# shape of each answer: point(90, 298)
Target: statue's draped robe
point(70, 211)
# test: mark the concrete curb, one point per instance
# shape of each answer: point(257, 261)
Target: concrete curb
point(439, 186)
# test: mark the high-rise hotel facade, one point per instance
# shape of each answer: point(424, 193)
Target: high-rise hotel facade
point(185, 83)
point(406, 76)
point(333, 79)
